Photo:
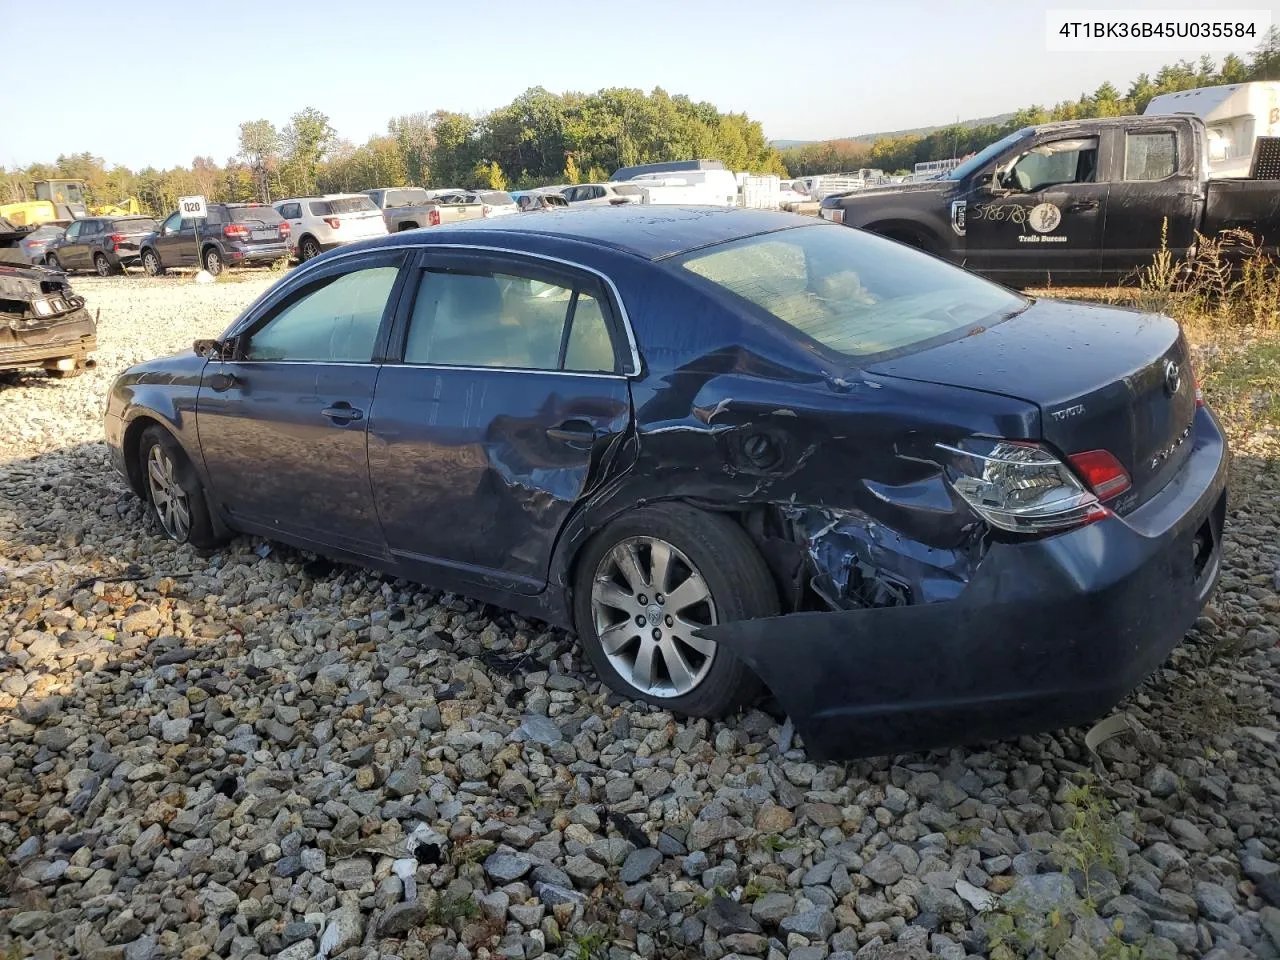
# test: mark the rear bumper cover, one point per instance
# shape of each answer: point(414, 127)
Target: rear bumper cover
point(1048, 634)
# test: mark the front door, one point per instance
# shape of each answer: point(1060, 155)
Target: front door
point(282, 425)
point(508, 399)
point(71, 252)
point(1042, 220)
point(168, 241)
point(1162, 198)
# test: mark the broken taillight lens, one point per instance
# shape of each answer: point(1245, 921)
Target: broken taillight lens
point(1019, 486)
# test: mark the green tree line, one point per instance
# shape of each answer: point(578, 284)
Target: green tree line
point(538, 138)
point(900, 154)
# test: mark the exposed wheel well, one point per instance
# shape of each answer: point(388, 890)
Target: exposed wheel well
point(132, 440)
point(904, 231)
point(305, 237)
point(204, 250)
point(407, 225)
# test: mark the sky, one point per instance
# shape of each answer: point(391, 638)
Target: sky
point(147, 83)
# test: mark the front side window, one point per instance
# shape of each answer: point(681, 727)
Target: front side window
point(1053, 164)
point(73, 231)
point(504, 320)
point(852, 292)
point(336, 320)
point(173, 223)
point(1150, 156)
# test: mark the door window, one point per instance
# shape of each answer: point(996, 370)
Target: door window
point(335, 320)
point(171, 225)
point(90, 228)
point(291, 211)
point(1053, 164)
point(73, 231)
point(506, 320)
point(1150, 156)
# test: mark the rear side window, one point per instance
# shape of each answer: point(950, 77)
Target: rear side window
point(404, 198)
point(350, 204)
point(1150, 156)
point(291, 211)
point(507, 321)
point(852, 292)
point(263, 214)
point(320, 208)
point(336, 320)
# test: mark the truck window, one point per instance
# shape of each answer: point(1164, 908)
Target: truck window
point(1150, 156)
point(1055, 163)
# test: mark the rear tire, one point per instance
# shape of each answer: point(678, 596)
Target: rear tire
point(308, 249)
point(175, 495)
point(213, 261)
point(102, 265)
point(708, 554)
point(151, 264)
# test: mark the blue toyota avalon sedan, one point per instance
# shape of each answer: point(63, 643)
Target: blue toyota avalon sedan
point(730, 449)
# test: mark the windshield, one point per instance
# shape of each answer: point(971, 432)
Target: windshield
point(851, 291)
point(626, 190)
point(258, 212)
point(404, 198)
point(987, 153)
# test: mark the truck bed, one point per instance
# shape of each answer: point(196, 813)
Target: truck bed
point(1251, 205)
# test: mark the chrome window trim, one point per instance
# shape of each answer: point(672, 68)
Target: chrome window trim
point(300, 273)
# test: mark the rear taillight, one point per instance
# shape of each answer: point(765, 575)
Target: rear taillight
point(285, 229)
point(433, 218)
point(116, 240)
point(333, 222)
point(1102, 472)
point(235, 231)
point(1019, 486)
point(486, 210)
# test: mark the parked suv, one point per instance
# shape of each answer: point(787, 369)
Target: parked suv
point(603, 194)
point(104, 244)
point(317, 224)
point(233, 233)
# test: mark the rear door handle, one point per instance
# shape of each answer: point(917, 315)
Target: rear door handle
point(574, 432)
point(342, 412)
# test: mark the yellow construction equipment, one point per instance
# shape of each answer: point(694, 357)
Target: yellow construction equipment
point(62, 200)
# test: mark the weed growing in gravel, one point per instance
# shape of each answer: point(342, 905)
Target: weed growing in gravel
point(449, 907)
point(592, 945)
point(774, 843)
point(1091, 837)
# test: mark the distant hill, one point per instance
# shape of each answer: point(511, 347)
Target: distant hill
point(913, 132)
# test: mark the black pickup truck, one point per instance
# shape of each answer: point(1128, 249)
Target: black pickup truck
point(1077, 202)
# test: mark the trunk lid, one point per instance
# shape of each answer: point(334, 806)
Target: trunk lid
point(1104, 378)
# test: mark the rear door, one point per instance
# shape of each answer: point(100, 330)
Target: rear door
point(1158, 196)
point(1044, 223)
point(282, 426)
point(291, 213)
point(507, 399)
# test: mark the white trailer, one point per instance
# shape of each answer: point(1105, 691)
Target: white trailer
point(1235, 115)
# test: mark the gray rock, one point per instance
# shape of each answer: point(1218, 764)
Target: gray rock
point(1041, 893)
point(399, 919)
point(639, 864)
point(175, 730)
point(585, 871)
point(884, 870)
point(706, 833)
point(728, 916)
point(814, 924)
point(773, 908)
point(940, 902)
point(1215, 902)
point(29, 921)
point(539, 729)
point(405, 780)
point(552, 894)
point(343, 929)
point(507, 867)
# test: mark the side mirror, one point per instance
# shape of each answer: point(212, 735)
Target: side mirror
point(209, 349)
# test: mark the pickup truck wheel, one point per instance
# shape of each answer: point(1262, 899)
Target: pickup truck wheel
point(644, 586)
point(175, 496)
point(151, 264)
point(308, 248)
point(213, 261)
point(101, 264)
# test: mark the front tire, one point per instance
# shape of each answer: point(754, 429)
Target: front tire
point(53, 263)
point(175, 496)
point(151, 264)
point(677, 569)
point(213, 261)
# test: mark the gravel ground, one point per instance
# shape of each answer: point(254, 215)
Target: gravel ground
point(256, 753)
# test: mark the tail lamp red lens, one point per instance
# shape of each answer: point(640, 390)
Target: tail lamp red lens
point(1102, 472)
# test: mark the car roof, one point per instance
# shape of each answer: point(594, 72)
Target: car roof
point(651, 232)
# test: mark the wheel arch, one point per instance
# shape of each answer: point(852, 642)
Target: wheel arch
point(911, 233)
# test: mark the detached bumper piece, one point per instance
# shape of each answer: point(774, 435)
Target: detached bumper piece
point(1049, 633)
point(42, 323)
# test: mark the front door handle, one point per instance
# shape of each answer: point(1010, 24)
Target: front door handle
point(342, 412)
point(1082, 206)
point(222, 382)
point(574, 432)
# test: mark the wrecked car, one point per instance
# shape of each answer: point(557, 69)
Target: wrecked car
point(43, 324)
point(731, 449)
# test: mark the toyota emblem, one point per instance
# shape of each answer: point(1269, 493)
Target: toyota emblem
point(1172, 377)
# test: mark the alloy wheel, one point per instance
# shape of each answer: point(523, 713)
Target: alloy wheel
point(309, 249)
point(167, 494)
point(101, 265)
point(647, 602)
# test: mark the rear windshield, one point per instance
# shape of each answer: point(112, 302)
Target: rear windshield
point(140, 225)
point(44, 232)
point(495, 198)
point(263, 214)
point(628, 190)
point(404, 198)
point(329, 208)
point(852, 292)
